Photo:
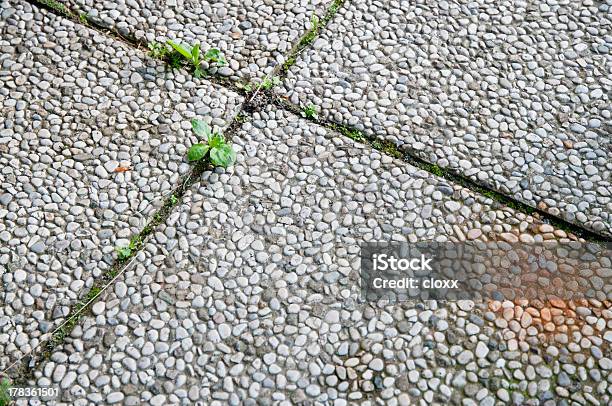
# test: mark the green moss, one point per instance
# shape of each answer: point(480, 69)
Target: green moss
point(5, 398)
point(55, 6)
point(355, 135)
point(390, 148)
point(241, 118)
point(289, 63)
point(434, 169)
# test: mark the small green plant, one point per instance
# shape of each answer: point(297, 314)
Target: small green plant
point(213, 55)
point(266, 84)
point(157, 50)
point(173, 200)
point(310, 111)
point(219, 152)
point(241, 118)
point(269, 83)
point(174, 60)
point(83, 18)
point(192, 55)
point(5, 398)
point(124, 253)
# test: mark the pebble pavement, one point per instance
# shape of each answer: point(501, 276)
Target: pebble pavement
point(514, 95)
point(247, 294)
point(78, 107)
point(254, 35)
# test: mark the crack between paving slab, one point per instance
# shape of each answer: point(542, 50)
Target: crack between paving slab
point(390, 148)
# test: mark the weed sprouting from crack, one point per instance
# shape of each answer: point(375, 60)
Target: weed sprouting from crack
point(307, 39)
point(158, 50)
point(310, 112)
point(312, 33)
point(180, 54)
point(214, 147)
point(267, 83)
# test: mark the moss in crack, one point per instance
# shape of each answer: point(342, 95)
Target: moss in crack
point(5, 398)
point(355, 135)
point(498, 197)
point(351, 133)
point(412, 158)
point(388, 148)
point(291, 60)
point(136, 243)
point(433, 169)
point(55, 6)
point(333, 9)
point(304, 42)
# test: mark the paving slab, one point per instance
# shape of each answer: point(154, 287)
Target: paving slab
point(514, 95)
point(249, 290)
point(253, 34)
point(92, 138)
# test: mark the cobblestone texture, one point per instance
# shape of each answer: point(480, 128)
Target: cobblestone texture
point(249, 292)
point(76, 108)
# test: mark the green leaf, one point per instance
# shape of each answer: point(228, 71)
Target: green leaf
point(223, 156)
point(195, 52)
point(213, 54)
point(197, 152)
point(184, 50)
point(200, 128)
point(124, 252)
point(216, 140)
